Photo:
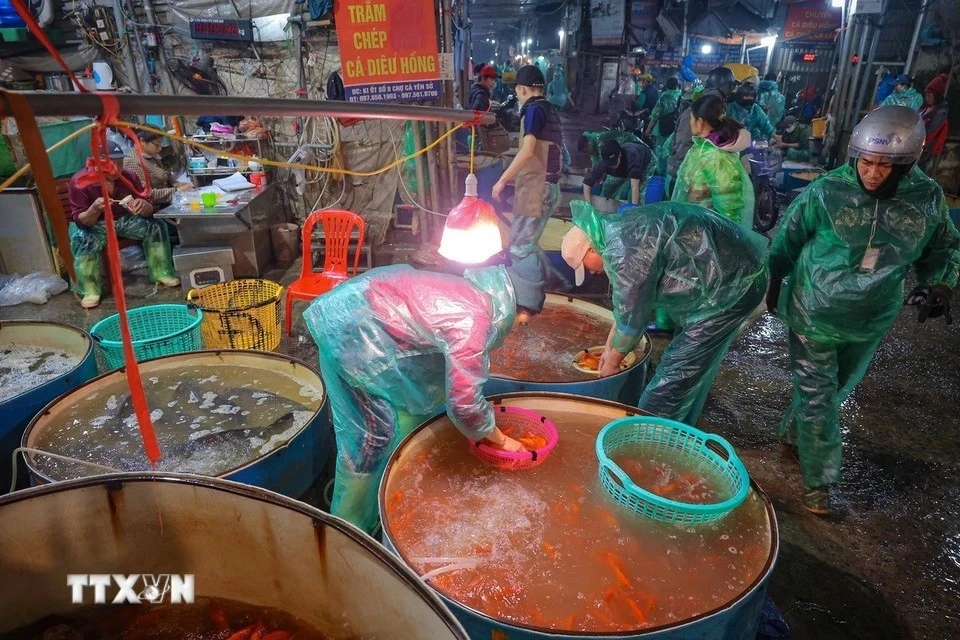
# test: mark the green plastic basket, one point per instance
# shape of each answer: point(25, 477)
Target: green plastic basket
point(659, 434)
point(156, 330)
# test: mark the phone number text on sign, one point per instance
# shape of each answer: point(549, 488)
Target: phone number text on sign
point(395, 91)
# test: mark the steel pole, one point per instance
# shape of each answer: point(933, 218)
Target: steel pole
point(853, 96)
point(130, 67)
point(868, 70)
point(908, 67)
point(47, 103)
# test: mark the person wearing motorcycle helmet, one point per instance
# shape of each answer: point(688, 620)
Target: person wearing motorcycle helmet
point(721, 83)
point(627, 168)
point(745, 110)
point(537, 166)
point(132, 217)
point(904, 94)
point(846, 245)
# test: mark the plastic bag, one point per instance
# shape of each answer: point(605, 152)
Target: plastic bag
point(132, 258)
point(35, 287)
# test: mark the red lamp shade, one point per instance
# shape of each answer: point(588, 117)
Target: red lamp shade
point(471, 234)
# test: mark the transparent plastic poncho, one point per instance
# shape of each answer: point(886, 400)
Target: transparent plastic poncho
point(822, 240)
point(679, 257)
point(717, 180)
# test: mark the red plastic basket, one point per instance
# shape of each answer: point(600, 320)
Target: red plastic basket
point(524, 421)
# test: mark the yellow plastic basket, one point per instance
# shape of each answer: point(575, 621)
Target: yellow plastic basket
point(240, 314)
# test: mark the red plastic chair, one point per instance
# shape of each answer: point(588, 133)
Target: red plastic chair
point(338, 226)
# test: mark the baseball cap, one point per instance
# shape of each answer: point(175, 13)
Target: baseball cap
point(610, 151)
point(904, 79)
point(789, 121)
point(488, 71)
point(530, 76)
point(574, 247)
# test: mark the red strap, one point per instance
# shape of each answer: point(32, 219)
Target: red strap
point(104, 167)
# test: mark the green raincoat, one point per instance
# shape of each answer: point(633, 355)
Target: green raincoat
point(754, 119)
point(716, 179)
point(837, 308)
point(771, 100)
point(707, 273)
point(668, 103)
point(910, 98)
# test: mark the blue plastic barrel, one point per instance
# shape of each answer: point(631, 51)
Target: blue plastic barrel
point(18, 410)
point(737, 619)
point(655, 190)
point(290, 469)
point(9, 18)
point(624, 387)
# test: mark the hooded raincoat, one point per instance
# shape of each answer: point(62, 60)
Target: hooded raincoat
point(910, 98)
point(837, 308)
point(706, 272)
point(396, 346)
point(754, 119)
point(771, 100)
point(715, 178)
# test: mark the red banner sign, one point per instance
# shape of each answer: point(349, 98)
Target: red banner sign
point(388, 49)
point(811, 22)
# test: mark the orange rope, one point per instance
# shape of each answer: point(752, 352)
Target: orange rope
point(102, 167)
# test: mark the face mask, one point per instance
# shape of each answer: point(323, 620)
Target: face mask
point(746, 101)
point(791, 129)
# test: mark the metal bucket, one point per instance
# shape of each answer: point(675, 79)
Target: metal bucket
point(625, 386)
point(289, 469)
point(20, 409)
point(735, 620)
point(239, 542)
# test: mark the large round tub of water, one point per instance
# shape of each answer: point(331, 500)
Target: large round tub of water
point(540, 356)
point(546, 553)
point(249, 416)
point(38, 362)
point(181, 556)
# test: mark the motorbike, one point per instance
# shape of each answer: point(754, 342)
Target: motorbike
point(633, 121)
point(765, 163)
point(507, 115)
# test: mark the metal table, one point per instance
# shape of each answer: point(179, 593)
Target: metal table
point(240, 220)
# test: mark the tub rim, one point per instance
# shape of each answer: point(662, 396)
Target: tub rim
point(757, 583)
point(216, 352)
point(118, 480)
point(84, 333)
point(643, 351)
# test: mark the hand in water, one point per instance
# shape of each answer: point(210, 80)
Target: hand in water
point(511, 445)
point(610, 362)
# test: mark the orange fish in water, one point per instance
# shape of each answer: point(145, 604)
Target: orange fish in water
point(532, 441)
point(615, 564)
point(589, 361)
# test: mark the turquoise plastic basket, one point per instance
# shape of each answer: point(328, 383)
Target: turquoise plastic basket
point(156, 330)
point(659, 434)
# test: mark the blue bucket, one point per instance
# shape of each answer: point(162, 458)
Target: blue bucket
point(656, 187)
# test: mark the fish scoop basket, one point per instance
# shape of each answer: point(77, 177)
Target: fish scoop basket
point(695, 450)
point(240, 314)
point(155, 330)
point(514, 422)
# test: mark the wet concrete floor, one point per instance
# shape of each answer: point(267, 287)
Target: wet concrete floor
point(888, 565)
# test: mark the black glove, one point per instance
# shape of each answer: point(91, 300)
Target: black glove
point(932, 302)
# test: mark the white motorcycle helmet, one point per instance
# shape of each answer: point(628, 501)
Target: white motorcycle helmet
point(892, 132)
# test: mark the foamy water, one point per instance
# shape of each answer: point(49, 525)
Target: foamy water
point(23, 368)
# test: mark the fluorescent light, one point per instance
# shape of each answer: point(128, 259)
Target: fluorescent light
point(493, 42)
point(706, 49)
point(529, 41)
point(769, 41)
point(836, 3)
point(491, 62)
point(561, 33)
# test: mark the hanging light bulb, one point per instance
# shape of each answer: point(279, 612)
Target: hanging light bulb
point(471, 234)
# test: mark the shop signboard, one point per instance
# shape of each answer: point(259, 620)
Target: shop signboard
point(388, 50)
point(607, 19)
point(811, 21)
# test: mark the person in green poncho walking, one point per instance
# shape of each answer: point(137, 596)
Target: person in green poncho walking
point(663, 119)
point(770, 99)
point(904, 95)
point(845, 247)
point(707, 272)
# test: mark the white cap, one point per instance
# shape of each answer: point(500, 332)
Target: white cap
point(574, 247)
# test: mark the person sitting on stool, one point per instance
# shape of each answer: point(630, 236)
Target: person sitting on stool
point(132, 219)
